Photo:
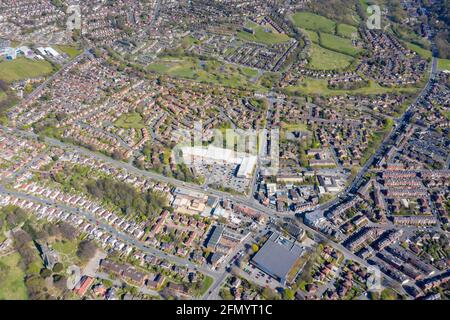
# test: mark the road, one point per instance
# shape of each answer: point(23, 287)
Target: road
point(383, 149)
point(41, 87)
point(122, 236)
point(183, 185)
point(213, 293)
point(217, 276)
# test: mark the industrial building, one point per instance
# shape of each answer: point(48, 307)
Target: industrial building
point(277, 257)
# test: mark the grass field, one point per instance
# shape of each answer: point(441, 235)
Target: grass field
point(13, 287)
point(424, 53)
point(261, 35)
point(324, 59)
point(311, 21)
point(320, 87)
point(2, 95)
point(294, 126)
point(347, 31)
point(189, 41)
point(23, 68)
point(444, 64)
point(313, 36)
point(210, 71)
point(249, 72)
point(130, 120)
point(72, 51)
point(67, 250)
point(207, 282)
point(338, 44)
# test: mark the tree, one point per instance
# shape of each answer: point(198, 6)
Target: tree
point(36, 287)
point(60, 282)
point(86, 250)
point(4, 269)
point(58, 267)
point(45, 273)
point(268, 293)
point(14, 216)
point(255, 247)
point(288, 294)
point(67, 231)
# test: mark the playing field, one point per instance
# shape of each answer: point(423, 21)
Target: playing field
point(424, 53)
point(320, 87)
point(311, 21)
point(130, 120)
point(444, 64)
point(12, 286)
point(339, 44)
point(210, 71)
point(2, 95)
point(347, 31)
point(262, 35)
point(71, 51)
point(23, 68)
point(249, 72)
point(324, 59)
point(313, 36)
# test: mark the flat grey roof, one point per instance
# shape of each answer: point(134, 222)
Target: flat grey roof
point(277, 256)
point(215, 236)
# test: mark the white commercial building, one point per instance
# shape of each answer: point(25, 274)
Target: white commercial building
point(215, 155)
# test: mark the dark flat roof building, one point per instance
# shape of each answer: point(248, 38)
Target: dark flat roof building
point(214, 237)
point(277, 257)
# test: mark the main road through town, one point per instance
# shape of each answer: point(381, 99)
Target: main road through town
point(217, 276)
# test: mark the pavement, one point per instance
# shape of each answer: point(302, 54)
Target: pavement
point(217, 276)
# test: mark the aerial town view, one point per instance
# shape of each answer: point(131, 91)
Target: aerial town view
point(224, 150)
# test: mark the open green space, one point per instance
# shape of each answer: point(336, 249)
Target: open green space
point(130, 120)
point(67, 250)
point(444, 64)
point(250, 72)
point(210, 71)
point(294, 126)
point(324, 59)
point(206, 283)
point(2, 95)
point(313, 36)
point(262, 35)
point(12, 286)
point(311, 21)
point(320, 87)
point(347, 31)
point(71, 51)
point(23, 68)
point(424, 53)
point(339, 44)
point(189, 41)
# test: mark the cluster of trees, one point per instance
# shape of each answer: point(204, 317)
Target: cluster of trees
point(22, 243)
point(12, 216)
point(24, 238)
point(338, 10)
point(127, 198)
point(439, 20)
point(442, 44)
point(4, 269)
point(352, 85)
point(49, 230)
point(6, 102)
point(185, 174)
point(86, 250)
